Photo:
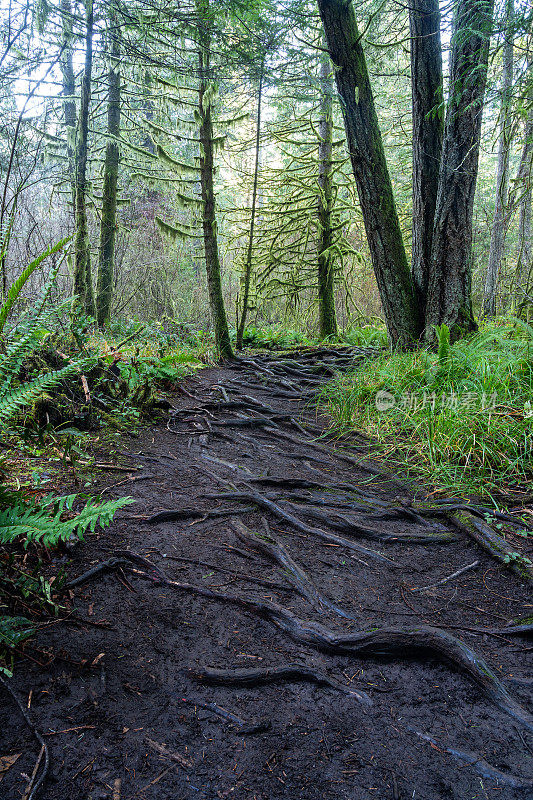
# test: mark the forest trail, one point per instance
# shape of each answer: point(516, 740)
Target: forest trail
point(298, 578)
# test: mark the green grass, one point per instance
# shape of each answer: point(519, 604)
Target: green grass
point(459, 419)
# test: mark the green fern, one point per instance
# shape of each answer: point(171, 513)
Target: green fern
point(25, 394)
point(45, 525)
point(13, 631)
point(50, 520)
point(19, 284)
point(26, 338)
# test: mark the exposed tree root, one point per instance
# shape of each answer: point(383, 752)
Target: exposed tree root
point(172, 515)
point(334, 453)
point(280, 587)
point(523, 626)
point(258, 677)
point(104, 566)
point(274, 550)
point(277, 552)
point(268, 505)
point(375, 642)
point(348, 525)
point(480, 765)
point(493, 543)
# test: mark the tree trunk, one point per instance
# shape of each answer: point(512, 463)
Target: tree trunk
point(83, 287)
point(524, 182)
point(108, 223)
point(450, 286)
point(499, 226)
point(371, 174)
point(428, 128)
point(69, 92)
point(148, 108)
point(212, 258)
point(326, 295)
point(248, 265)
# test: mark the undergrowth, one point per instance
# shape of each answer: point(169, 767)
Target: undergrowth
point(460, 418)
point(274, 338)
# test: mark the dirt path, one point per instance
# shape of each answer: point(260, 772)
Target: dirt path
point(381, 695)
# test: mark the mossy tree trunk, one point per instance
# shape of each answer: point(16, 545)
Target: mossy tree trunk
point(372, 177)
point(428, 128)
point(108, 223)
point(83, 287)
point(212, 256)
point(450, 287)
point(501, 202)
point(326, 296)
point(69, 92)
point(249, 252)
point(524, 183)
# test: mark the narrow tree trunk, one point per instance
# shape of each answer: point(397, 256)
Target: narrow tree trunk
point(248, 265)
point(108, 222)
point(499, 227)
point(450, 287)
point(69, 92)
point(212, 258)
point(326, 295)
point(148, 108)
point(83, 287)
point(524, 182)
point(428, 128)
point(367, 155)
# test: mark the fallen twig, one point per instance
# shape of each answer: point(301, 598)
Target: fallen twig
point(244, 726)
point(448, 578)
point(164, 751)
point(35, 783)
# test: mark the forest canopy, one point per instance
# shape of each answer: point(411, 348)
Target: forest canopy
point(314, 167)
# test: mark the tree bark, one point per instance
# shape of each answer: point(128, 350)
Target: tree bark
point(450, 286)
point(524, 186)
point(371, 174)
point(108, 223)
point(501, 206)
point(428, 129)
point(69, 92)
point(524, 265)
point(83, 287)
point(326, 295)
point(248, 265)
point(212, 257)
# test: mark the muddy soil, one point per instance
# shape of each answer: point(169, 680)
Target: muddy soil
point(113, 682)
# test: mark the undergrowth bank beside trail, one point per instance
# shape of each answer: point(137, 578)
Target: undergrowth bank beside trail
point(461, 419)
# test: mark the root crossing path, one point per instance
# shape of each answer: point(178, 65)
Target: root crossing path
point(277, 616)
